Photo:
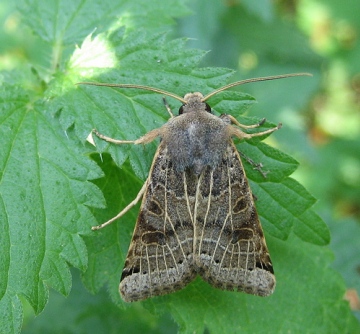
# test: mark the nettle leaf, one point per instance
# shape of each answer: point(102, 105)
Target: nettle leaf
point(285, 206)
point(45, 191)
point(66, 22)
point(260, 157)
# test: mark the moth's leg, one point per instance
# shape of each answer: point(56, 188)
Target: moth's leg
point(147, 138)
point(257, 134)
point(256, 165)
point(236, 122)
point(150, 136)
point(234, 131)
point(123, 211)
point(168, 107)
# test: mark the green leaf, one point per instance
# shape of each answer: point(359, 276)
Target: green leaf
point(280, 204)
point(275, 165)
point(107, 252)
point(44, 194)
point(310, 227)
point(69, 22)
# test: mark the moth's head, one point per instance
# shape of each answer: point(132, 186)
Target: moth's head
point(194, 102)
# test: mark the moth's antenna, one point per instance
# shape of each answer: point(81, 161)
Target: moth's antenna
point(179, 98)
point(242, 82)
point(152, 89)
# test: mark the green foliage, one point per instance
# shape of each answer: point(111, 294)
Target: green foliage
point(54, 185)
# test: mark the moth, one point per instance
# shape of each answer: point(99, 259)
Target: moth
point(198, 215)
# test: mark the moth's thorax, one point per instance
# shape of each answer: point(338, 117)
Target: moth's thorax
point(195, 140)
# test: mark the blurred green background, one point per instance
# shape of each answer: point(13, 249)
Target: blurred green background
point(321, 115)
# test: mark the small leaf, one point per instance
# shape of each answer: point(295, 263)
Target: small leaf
point(310, 227)
point(280, 205)
point(274, 164)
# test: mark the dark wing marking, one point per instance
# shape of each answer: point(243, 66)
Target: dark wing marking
point(160, 257)
point(230, 248)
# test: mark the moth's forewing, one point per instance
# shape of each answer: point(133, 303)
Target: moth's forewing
point(160, 257)
point(230, 244)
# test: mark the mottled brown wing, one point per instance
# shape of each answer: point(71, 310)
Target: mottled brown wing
point(230, 248)
point(160, 257)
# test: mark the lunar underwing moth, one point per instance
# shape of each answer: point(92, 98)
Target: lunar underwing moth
point(197, 215)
